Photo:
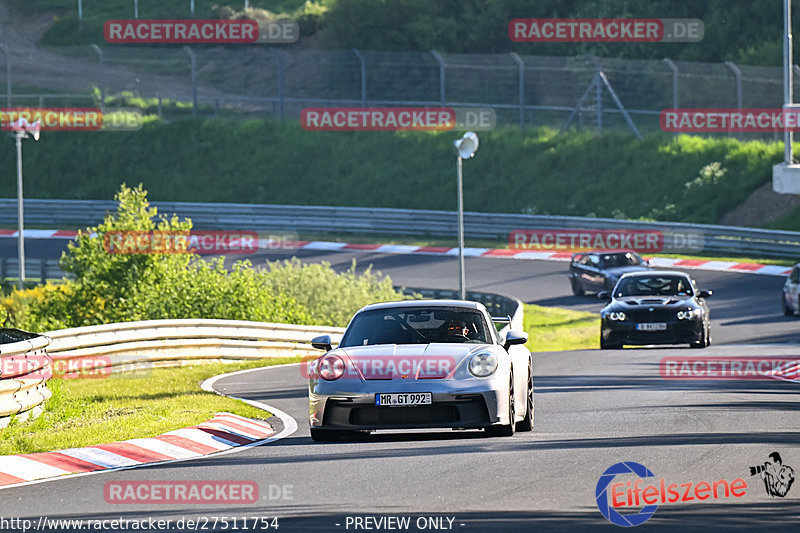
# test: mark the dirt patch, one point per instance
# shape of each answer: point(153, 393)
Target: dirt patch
point(762, 207)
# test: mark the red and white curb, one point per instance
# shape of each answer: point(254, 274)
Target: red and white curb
point(699, 264)
point(223, 432)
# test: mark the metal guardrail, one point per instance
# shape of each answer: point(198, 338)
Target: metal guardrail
point(154, 343)
point(24, 368)
point(677, 237)
point(35, 269)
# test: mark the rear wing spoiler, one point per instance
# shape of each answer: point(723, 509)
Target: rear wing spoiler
point(502, 319)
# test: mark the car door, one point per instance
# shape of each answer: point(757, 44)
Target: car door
point(576, 267)
point(594, 280)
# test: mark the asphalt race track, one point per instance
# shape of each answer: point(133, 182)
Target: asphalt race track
point(593, 409)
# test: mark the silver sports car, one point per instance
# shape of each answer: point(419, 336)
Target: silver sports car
point(421, 364)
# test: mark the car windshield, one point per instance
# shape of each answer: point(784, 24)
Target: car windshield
point(654, 286)
point(416, 325)
point(620, 260)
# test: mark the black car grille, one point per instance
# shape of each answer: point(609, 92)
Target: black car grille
point(467, 411)
point(401, 416)
point(656, 315)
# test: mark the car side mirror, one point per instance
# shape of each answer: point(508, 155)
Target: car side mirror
point(515, 337)
point(704, 294)
point(323, 342)
point(603, 295)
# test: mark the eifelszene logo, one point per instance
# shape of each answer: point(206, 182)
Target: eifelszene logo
point(612, 494)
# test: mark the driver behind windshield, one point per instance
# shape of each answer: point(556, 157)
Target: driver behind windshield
point(456, 331)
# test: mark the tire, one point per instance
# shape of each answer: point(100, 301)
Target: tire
point(604, 345)
point(705, 341)
point(787, 311)
point(506, 430)
point(577, 289)
point(527, 422)
point(325, 435)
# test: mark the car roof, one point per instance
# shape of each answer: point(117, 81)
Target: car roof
point(605, 252)
point(425, 303)
point(646, 273)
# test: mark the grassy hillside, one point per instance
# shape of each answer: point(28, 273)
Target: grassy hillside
point(535, 171)
point(742, 31)
point(66, 30)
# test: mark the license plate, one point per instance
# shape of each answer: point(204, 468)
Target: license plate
point(402, 399)
point(652, 326)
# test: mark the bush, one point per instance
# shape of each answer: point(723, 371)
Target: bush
point(330, 298)
point(122, 287)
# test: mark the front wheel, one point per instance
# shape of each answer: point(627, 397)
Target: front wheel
point(326, 435)
point(787, 311)
point(705, 341)
point(605, 345)
point(527, 422)
point(506, 430)
point(577, 289)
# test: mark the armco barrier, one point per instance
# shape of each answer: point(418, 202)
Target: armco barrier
point(132, 345)
point(24, 370)
point(677, 237)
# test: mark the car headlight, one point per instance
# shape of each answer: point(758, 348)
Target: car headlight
point(689, 314)
point(331, 367)
point(616, 315)
point(483, 364)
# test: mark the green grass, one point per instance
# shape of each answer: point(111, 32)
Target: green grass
point(535, 171)
point(552, 329)
point(83, 412)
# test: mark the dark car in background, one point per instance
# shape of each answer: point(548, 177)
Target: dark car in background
point(791, 292)
point(655, 307)
point(599, 271)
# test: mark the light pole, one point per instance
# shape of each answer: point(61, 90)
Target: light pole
point(21, 129)
point(466, 147)
point(788, 156)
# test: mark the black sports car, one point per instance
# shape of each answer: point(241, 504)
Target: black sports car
point(600, 271)
point(655, 307)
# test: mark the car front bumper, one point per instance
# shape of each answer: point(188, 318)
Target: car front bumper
point(677, 332)
point(348, 404)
